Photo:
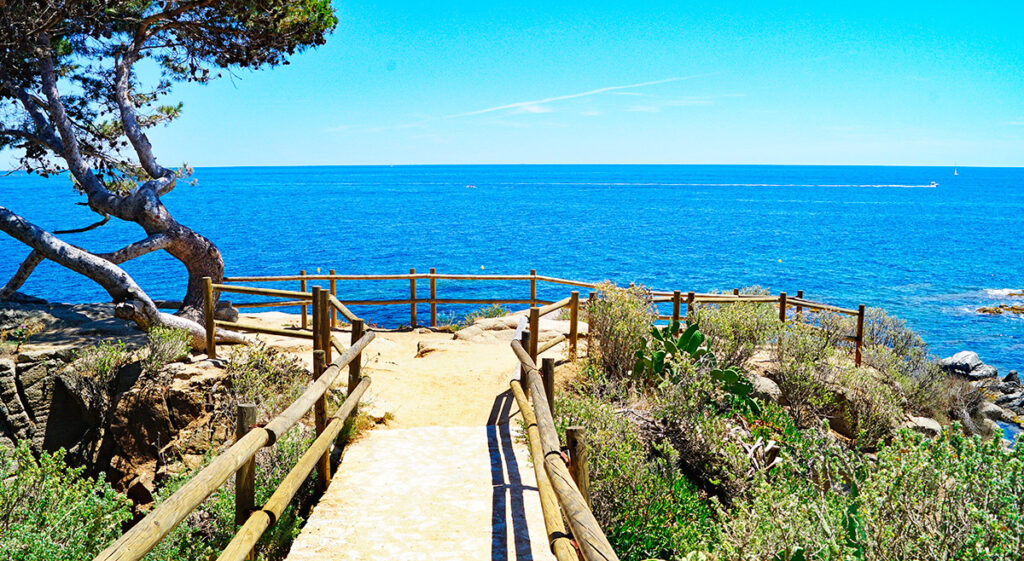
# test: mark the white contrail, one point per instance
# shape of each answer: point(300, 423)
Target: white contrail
point(570, 96)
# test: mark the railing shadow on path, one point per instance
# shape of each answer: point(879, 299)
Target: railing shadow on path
point(507, 502)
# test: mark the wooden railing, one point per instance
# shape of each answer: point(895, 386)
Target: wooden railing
point(676, 298)
point(561, 493)
point(239, 459)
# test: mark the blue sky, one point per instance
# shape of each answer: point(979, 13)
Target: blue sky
point(891, 83)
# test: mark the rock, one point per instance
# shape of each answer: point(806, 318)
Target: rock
point(765, 388)
point(423, 348)
point(982, 372)
point(924, 425)
point(1012, 378)
point(990, 428)
point(961, 363)
point(422, 330)
point(990, 410)
point(1008, 387)
point(968, 365)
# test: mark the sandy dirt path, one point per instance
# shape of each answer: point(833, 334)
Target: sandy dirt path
point(448, 477)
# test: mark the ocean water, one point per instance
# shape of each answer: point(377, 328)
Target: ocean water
point(880, 236)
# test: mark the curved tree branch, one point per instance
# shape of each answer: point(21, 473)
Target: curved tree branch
point(132, 302)
point(21, 275)
point(99, 198)
point(93, 226)
point(137, 249)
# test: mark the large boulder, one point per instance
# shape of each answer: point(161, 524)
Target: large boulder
point(765, 388)
point(990, 410)
point(968, 365)
point(1012, 378)
point(924, 425)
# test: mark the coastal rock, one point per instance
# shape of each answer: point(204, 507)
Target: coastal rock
point(1006, 400)
point(990, 410)
point(765, 388)
point(968, 365)
point(924, 425)
point(1012, 378)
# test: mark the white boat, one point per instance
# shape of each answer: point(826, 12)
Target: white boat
point(954, 172)
point(934, 184)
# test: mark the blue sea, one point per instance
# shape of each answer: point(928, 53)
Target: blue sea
point(881, 236)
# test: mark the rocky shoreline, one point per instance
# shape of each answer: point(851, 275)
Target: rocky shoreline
point(1004, 396)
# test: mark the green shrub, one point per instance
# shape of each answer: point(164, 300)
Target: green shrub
point(267, 378)
point(209, 529)
point(49, 511)
point(736, 331)
point(457, 323)
point(949, 498)
point(646, 506)
point(618, 320)
point(165, 345)
point(103, 360)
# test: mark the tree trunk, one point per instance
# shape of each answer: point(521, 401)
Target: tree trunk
point(132, 303)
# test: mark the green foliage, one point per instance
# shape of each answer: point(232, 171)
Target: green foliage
point(181, 41)
point(617, 321)
point(736, 331)
point(103, 360)
point(657, 359)
point(11, 340)
point(208, 530)
point(165, 345)
point(952, 497)
point(51, 512)
point(647, 508)
point(266, 377)
point(492, 311)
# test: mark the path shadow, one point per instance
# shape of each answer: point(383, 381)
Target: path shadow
point(508, 485)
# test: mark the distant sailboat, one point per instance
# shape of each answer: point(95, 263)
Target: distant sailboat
point(954, 172)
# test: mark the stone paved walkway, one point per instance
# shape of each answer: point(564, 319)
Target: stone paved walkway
point(431, 492)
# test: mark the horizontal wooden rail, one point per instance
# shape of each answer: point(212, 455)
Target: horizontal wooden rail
point(295, 333)
point(592, 542)
point(144, 535)
point(404, 276)
point(567, 282)
point(270, 304)
point(256, 291)
point(554, 306)
point(259, 521)
point(287, 419)
point(819, 306)
point(551, 343)
point(558, 539)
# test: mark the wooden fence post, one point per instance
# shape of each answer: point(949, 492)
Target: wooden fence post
point(533, 289)
point(433, 297)
point(677, 298)
point(735, 292)
point(591, 299)
point(548, 370)
point(302, 288)
point(412, 296)
point(534, 331)
point(782, 307)
point(575, 441)
point(690, 296)
point(860, 332)
point(245, 477)
point(208, 318)
point(574, 318)
point(356, 365)
point(333, 312)
point(524, 340)
point(326, 315)
point(323, 464)
point(799, 308)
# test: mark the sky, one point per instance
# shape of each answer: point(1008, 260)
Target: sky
point(883, 83)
